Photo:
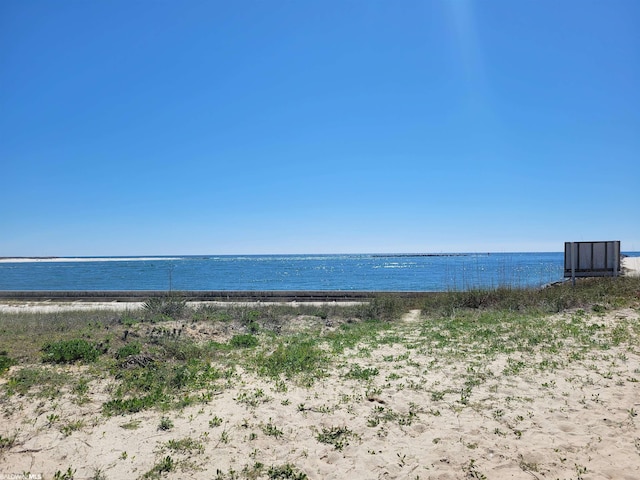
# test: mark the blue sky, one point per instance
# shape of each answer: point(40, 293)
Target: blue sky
point(207, 127)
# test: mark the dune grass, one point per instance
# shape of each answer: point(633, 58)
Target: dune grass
point(157, 359)
point(457, 355)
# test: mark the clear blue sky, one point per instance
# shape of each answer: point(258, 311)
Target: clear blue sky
point(210, 127)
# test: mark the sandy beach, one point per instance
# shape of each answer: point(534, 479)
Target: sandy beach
point(82, 306)
point(631, 266)
point(407, 402)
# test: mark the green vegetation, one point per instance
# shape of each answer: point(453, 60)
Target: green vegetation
point(166, 465)
point(336, 436)
point(285, 472)
point(451, 353)
point(215, 422)
point(69, 351)
point(5, 362)
point(298, 356)
point(185, 445)
point(165, 424)
point(131, 425)
point(243, 341)
point(166, 307)
point(69, 474)
point(130, 349)
point(167, 356)
point(271, 430)
point(7, 442)
point(601, 293)
point(43, 382)
point(358, 373)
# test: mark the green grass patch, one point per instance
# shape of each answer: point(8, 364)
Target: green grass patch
point(243, 341)
point(161, 385)
point(356, 372)
point(122, 406)
point(6, 362)
point(133, 348)
point(285, 472)
point(337, 436)
point(185, 445)
point(272, 430)
point(39, 381)
point(292, 358)
point(165, 465)
point(349, 335)
point(69, 351)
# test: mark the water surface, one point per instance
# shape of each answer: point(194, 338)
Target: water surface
point(365, 272)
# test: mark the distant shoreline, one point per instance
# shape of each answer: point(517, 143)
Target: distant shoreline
point(81, 259)
point(27, 259)
point(132, 259)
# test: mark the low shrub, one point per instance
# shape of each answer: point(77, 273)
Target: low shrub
point(5, 362)
point(130, 349)
point(68, 351)
point(243, 341)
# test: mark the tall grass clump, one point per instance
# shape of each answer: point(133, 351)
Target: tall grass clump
point(383, 307)
point(607, 292)
point(170, 306)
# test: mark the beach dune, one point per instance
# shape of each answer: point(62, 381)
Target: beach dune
point(397, 405)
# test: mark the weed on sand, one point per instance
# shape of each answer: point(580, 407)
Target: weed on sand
point(293, 358)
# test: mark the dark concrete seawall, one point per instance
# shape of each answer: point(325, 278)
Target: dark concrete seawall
point(203, 296)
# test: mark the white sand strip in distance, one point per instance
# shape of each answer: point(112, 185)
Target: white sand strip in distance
point(631, 266)
point(81, 259)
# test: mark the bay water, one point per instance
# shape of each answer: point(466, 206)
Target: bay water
point(358, 272)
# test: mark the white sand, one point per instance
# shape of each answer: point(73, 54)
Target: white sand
point(631, 266)
point(53, 306)
point(579, 420)
point(81, 259)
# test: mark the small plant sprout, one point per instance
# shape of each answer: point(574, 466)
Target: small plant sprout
point(165, 424)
